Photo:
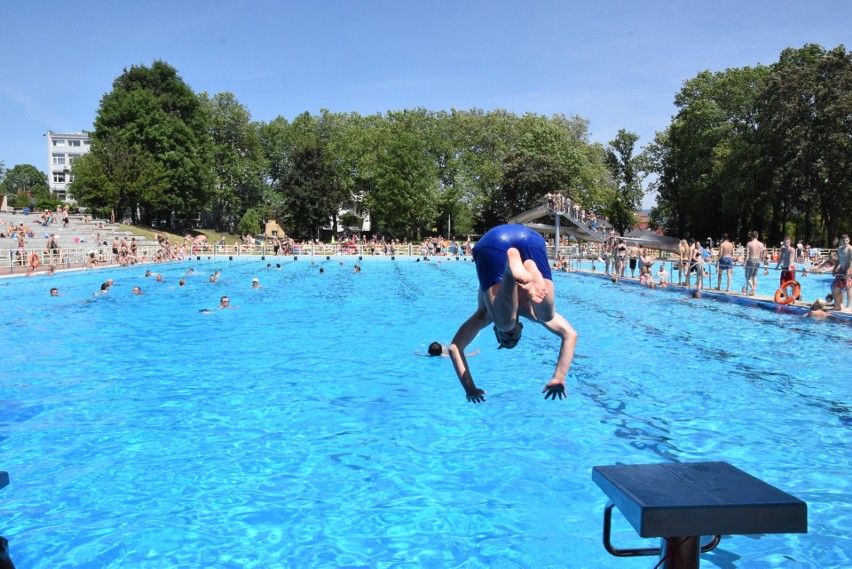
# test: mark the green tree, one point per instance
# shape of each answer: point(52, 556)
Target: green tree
point(309, 192)
point(760, 148)
point(805, 132)
point(547, 158)
point(669, 212)
point(483, 140)
point(238, 159)
point(277, 147)
point(27, 183)
point(118, 177)
point(527, 178)
point(250, 223)
point(402, 199)
point(318, 181)
point(834, 138)
point(159, 124)
point(628, 172)
point(706, 162)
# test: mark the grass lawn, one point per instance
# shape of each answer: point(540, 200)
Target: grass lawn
point(151, 233)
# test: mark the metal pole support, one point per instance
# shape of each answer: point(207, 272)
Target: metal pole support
point(5, 560)
point(674, 552)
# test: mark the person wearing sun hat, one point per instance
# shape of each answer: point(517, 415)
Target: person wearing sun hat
point(514, 281)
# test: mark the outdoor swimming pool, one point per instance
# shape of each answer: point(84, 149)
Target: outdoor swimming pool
point(299, 430)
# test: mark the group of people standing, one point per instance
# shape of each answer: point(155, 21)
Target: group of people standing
point(788, 255)
point(618, 256)
point(564, 205)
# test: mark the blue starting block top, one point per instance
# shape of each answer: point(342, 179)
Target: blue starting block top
point(699, 498)
point(4, 479)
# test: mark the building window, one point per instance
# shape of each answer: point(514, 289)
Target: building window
point(59, 142)
point(73, 143)
point(59, 177)
point(59, 159)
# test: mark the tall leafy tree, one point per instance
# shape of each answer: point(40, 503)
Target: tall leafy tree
point(402, 198)
point(806, 133)
point(309, 191)
point(151, 112)
point(760, 148)
point(545, 159)
point(669, 212)
point(315, 184)
point(238, 159)
point(119, 177)
point(705, 160)
point(834, 137)
point(627, 171)
point(276, 146)
point(27, 183)
point(484, 140)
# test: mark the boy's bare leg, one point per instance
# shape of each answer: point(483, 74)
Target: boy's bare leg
point(504, 302)
point(526, 275)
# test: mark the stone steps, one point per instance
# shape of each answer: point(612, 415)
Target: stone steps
point(76, 234)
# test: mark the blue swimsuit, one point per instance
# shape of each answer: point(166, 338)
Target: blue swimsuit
point(490, 252)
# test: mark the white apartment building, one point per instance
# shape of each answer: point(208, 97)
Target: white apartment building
point(62, 150)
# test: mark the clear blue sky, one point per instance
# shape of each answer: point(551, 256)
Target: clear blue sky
point(616, 63)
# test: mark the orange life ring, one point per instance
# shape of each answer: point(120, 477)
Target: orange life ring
point(788, 292)
point(34, 260)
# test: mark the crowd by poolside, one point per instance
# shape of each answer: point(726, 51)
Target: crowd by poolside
point(122, 250)
point(694, 258)
point(618, 255)
point(124, 253)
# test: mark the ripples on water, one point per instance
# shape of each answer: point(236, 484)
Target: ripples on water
point(299, 430)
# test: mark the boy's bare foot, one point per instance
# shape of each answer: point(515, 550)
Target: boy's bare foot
point(526, 275)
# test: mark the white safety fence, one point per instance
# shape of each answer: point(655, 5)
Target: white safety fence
point(39, 260)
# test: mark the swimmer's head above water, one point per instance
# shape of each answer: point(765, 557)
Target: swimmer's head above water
point(435, 349)
point(511, 338)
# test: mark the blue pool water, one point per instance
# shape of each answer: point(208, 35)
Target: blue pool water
point(299, 430)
